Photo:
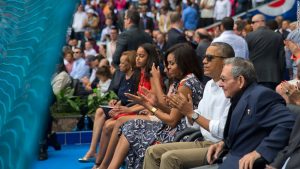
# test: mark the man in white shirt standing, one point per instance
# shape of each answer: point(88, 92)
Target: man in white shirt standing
point(112, 43)
point(78, 22)
point(222, 9)
point(211, 115)
point(207, 12)
point(228, 36)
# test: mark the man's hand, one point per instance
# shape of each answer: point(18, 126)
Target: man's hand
point(214, 152)
point(248, 160)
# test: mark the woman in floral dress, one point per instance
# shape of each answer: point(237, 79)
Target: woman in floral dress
point(138, 135)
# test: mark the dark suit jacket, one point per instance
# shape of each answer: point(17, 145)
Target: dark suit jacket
point(260, 121)
point(266, 51)
point(175, 37)
point(292, 150)
point(130, 39)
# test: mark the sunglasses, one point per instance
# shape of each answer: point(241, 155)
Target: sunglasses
point(211, 57)
point(253, 22)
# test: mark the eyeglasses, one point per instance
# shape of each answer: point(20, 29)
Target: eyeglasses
point(253, 22)
point(77, 52)
point(211, 57)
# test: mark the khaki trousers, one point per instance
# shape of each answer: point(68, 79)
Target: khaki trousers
point(179, 155)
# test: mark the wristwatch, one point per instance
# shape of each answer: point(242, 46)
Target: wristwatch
point(153, 110)
point(195, 116)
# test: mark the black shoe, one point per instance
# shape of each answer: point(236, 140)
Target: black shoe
point(43, 153)
point(52, 141)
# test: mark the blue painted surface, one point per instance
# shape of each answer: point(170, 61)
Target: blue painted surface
point(32, 33)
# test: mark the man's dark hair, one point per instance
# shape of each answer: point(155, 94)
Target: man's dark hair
point(272, 24)
point(134, 16)
point(228, 23)
point(225, 49)
point(113, 27)
point(240, 25)
point(203, 36)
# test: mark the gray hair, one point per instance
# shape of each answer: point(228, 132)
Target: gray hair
point(242, 67)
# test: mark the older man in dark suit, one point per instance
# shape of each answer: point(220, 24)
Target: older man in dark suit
point(266, 51)
point(132, 37)
point(258, 124)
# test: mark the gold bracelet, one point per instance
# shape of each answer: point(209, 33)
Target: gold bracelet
point(153, 110)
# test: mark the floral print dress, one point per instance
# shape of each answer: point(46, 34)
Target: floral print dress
point(143, 133)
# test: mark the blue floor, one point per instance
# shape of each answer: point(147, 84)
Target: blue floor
point(74, 146)
point(66, 158)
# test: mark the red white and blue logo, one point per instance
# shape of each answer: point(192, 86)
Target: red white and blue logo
point(285, 8)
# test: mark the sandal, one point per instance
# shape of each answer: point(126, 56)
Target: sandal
point(87, 159)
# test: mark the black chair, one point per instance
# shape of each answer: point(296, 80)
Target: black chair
point(188, 134)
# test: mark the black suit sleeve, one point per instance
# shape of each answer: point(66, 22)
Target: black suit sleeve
point(282, 63)
point(121, 47)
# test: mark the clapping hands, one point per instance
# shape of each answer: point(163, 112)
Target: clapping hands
point(180, 102)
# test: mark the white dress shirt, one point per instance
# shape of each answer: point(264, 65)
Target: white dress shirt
point(214, 106)
point(222, 9)
point(207, 13)
point(78, 21)
point(238, 43)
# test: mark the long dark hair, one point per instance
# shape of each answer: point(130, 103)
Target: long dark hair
point(152, 58)
point(186, 59)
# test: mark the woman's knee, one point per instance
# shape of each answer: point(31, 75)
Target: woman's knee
point(99, 113)
point(108, 127)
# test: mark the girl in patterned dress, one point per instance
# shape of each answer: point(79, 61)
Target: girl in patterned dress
point(138, 135)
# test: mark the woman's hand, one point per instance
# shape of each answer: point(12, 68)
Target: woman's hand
point(112, 102)
point(184, 105)
point(150, 97)
point(138, 99)
point(113, 113)
point(292, 46)
point(121, 109)
point(155, 72)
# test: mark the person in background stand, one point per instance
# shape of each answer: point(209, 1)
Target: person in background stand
point(207, 12)
point(132, 37)
point(175, 34)
point(266, 51)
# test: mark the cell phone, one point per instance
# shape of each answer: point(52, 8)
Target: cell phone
point(106, 106)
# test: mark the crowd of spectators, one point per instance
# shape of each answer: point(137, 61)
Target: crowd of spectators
point(159, 54)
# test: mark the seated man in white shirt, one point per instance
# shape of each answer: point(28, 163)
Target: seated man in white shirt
point(211, 115)
point(80, 69)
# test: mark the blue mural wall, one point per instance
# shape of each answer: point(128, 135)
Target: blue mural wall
point(32, 33)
